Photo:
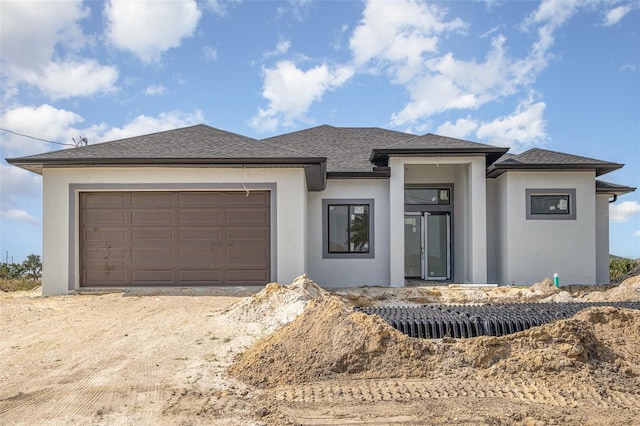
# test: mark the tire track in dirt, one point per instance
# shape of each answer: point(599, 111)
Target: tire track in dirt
point(372, 391)
point(13, 409)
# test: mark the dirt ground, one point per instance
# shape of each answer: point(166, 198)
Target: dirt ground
point(299, 355)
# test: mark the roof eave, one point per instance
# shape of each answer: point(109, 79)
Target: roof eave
point(600, 169)
point(381, 156)
point(315, 167)
point(380, 174)
point(609, 188)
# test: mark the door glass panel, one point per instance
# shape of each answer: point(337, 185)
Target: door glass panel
point(412, 246)
point(437, 246)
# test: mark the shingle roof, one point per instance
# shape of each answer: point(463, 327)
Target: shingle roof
point(199, 141)
point(347, 148)
point(543, 159)
point(431, 144)
point(194, 145)
point(603, 187)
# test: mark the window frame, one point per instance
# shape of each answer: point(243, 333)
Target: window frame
point(569, 192)
point(325, 228)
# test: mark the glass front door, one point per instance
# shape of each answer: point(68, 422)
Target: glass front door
point(438, 253)
point(427, 242)
point(413, 245)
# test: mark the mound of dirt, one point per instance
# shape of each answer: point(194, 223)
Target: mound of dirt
point(277, 305)
point(544, 286)
point(628, 290)
point(329, 341)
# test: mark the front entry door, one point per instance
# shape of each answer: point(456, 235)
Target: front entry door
point(427, 240)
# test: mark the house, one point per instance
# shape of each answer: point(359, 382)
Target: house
point(348, 206)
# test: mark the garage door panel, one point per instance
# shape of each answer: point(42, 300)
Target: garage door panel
point(103, 199)
point(106, 216)
point(174, 238)
point(247, 234)
point(247, 216)
point(147, 199)
point(105, 234)
point(152, 216)
point(204, 256)
point(157, 255)
point(159, 276)
point(200, 198)
point(201, 234)
point(247, 254)
point(255, 198)
point(240, 276)
point(106, 277)
point(204, 276)
point(151, 234)
point(208, 216)
point(104, 254)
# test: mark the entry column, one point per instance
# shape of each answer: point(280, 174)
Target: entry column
point(396, 222)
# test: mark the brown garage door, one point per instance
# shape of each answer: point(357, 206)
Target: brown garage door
point(174, 238)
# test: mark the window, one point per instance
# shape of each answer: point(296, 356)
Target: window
point(551, 204)
point(347, 228)
point(439, 196)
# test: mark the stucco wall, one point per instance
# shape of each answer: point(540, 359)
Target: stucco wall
point(492, 232)
point(534, 249)
point(602, 239)
point(349, 272)
point(60, 245)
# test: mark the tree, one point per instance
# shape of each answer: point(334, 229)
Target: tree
point(33, 266)
point(11, 271)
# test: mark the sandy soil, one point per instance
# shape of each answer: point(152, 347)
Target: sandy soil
point(299, 355)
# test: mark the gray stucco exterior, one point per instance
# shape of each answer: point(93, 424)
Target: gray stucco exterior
point(490, 236)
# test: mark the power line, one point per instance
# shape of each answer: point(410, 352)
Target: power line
point(33, 137)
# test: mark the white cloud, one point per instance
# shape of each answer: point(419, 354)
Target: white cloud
point(291, 91)
point(30, 32)
point(144, 124)
point(628, 67)
point(621, 212)
point(449, 83)
point(60, 80)
point(616, 14)
point(16, 182)
point(210, 54)
point(282, 47)
point(399, 37)
point(149, 28)
point(404, 41)
point(522, 129)
point(20, 216)
point(155, 89)
point(637, 234)
point(33, 34)
point(44, 121)
point(460, 129)
point(221, 7)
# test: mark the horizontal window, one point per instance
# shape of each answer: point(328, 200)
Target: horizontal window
point(551, 203)
point(347, 228)
point(427, 196)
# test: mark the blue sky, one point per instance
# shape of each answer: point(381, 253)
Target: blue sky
point(562, 75)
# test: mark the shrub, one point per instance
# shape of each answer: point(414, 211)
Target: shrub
point(618, 266)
